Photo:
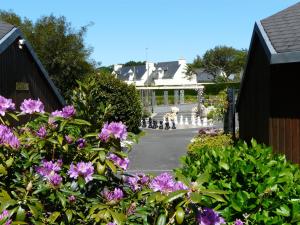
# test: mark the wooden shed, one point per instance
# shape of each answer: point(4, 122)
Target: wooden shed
point(21, 73)
point(268, 105)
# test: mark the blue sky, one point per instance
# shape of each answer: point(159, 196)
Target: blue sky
point(170, 29)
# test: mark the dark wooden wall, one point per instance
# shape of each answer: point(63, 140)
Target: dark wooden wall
point(17, 65)
point(254, 100)
point(285, 110)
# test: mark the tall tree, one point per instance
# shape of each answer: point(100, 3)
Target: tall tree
point(60, 48)
point(221, 62)
point(224, 61)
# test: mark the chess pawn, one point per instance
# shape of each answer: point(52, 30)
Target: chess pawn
point(173, 125)
point(205, 122)
point(176, 120)
point(198, 121)
point(161, 125)
point(193, 120)
point(181, 120)
point(186, 121)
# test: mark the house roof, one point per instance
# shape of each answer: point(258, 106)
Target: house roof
point(139, 71)
point(279, 36)
point(8, 35)
point(283, 29)
point(5, 28)
point(169, 68)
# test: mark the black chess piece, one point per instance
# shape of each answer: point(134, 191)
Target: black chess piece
point(154, 124)
point(161, 125)
point(150, 122)
point(167, 125)
point(173, 124)
point(144, 124)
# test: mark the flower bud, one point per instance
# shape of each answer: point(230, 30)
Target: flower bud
point(100, 168)
point(29, 186)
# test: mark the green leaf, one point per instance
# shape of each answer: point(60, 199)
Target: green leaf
point(3, 171)
point(161, 220)
point(111, 166)
point(60, 139)
point(13, 116)
point(20, 214)
point(283, 211)
point(118, 217)
point(53, 217)
point(99, 177)
point(174, 195)
point(90, 135)
point(81, 122)
point(202, 178)
point(196, 197)
point(33, 210)
point(9, 162)
point(224, 165)
point(62, 199)
point(69, 215)
point(179, 215)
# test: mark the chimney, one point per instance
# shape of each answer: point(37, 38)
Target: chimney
point(181, 61)
point(117, 67)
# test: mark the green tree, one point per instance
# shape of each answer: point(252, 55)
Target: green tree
point(134, 63)
point(221, 60)
point(59, 46)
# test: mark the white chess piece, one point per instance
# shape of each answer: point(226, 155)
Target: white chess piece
point(198, 121)
point(175, 120)
point(181, 120)
point(205, 122)
point(186, 121)
point(193, 120)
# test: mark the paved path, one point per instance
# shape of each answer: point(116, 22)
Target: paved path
point(159, 150)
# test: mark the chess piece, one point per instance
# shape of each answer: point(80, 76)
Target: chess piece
point(173, 125)
point(150, 122)
point(161, 125)
point(205, 122)
point(167, 125)
point(144, 123)
point(181, 120)
point(198, 121)
point(186, 121)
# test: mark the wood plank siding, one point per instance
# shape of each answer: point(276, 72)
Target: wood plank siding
point(254, 104)
point(17, 65)
point(284, 122)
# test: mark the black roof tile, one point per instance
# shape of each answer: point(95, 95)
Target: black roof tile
point(283, 29)
point(5, 28)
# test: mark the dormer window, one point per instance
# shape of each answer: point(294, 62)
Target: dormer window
point(160, 73)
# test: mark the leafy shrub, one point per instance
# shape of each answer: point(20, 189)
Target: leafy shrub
point(90, 96)
point(54, 172)
point(214, 89)
point(210, 139)
point(263, 188)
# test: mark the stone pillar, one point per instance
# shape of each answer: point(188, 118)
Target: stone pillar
point(181, 99)
point(166, 98)
point(153, 102)
point(176, 97)
point(200, 100)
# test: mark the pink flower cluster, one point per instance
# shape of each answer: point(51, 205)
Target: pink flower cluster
point(3, 216)
point(66, 112)
point(115, 195)
point(48, 170)
point(29, 106)
point(166, 184)
point(42, 132)
point(5, 104)
point(7, 137)
point(138, 181)
point(118, 161)
point(82, 169)
point(115, 130)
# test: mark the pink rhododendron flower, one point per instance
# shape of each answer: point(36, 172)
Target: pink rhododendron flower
point(29, 106)
point(115, 130)
point(208, 216)
point(120, 162)
point(7, 137)
point(5, 104)
point(66, 112)
point(42, 132)
point(83, 169)
point(115, 195)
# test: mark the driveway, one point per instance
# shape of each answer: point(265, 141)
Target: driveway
point(159, 150)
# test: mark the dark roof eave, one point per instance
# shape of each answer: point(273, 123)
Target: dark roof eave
point(9, 38)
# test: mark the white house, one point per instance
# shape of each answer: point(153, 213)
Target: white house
point(156, 74)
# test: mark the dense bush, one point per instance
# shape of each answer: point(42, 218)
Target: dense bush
point(262, 187)
point(214, 89)
point(210, 139)
point(54, 172)
point(124, 100)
